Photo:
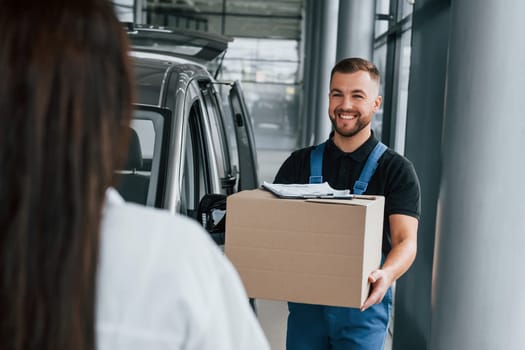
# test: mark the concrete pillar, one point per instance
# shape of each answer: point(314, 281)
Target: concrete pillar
point(480, 240)
point(355, 32)
point(139, 11)
point(308, 109)
point(326, 49)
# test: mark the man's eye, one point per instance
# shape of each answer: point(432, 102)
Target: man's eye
point(358, 97)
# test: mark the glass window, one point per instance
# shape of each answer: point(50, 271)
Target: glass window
point(380, 61)
point(382, 8)
point(187, 194)
point(230, 130)
point(146, 134)
point(392, 56)
point(405, 8)
point(274, 111)
point(124, 10)
point(402, 91)
point(195, 175)
point(215, 120)
point(144, 170)
point(269, 72)
point(262, 61)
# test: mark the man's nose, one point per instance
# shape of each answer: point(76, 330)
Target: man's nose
point(346, 103)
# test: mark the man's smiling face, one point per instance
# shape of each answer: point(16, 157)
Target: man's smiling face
point(353, 101)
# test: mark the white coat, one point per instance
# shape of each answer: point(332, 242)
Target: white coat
point(164, 284)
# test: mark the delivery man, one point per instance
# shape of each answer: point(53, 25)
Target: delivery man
point(352, 158)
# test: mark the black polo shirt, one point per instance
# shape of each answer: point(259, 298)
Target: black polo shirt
point(395, 177)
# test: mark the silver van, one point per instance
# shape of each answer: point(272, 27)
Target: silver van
point(187, 151)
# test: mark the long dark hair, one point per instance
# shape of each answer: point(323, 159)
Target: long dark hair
point(65, 93)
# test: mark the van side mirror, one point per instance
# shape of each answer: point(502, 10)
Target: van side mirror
point(212, 215)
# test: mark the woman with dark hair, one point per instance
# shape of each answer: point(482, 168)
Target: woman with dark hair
point(79, 268)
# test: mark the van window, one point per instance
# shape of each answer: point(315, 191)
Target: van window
point(195, 176)
point(218, 131)
point(142, 178)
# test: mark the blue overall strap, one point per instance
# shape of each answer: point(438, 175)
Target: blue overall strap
point(316, 164)
point(370, 168)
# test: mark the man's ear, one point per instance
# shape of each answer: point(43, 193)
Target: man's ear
point(377, 103)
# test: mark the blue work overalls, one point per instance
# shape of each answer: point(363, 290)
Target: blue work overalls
point(320, 327)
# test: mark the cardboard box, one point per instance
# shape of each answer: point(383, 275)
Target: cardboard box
point(316, 251)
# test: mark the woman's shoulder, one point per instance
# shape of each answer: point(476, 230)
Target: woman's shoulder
point(162, 238)
point(152, 262)
point(129, 219)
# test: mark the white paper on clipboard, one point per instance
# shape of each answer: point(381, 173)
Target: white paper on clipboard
point(323, 190)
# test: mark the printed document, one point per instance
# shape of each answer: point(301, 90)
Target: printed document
point(323, 190)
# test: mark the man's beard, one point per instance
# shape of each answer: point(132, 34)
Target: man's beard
point(359, 125)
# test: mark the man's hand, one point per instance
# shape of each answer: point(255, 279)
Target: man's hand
point(403, 231)
point(380, 281)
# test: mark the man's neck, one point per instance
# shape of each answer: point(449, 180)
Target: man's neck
point(349, 144)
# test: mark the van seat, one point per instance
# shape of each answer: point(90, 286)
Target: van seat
point(133, 186)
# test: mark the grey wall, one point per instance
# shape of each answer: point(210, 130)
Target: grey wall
point(479, 279)
point(430, 33)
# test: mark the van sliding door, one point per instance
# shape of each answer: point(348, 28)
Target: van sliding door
point(248, 167)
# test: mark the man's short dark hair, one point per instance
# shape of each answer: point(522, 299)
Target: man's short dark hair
point(355, 64)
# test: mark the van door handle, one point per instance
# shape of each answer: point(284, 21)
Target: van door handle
point(228, 181)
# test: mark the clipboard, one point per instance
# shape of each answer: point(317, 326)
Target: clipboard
point(306, 191)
